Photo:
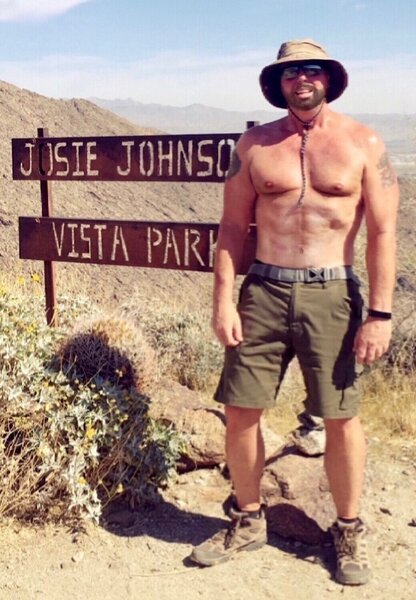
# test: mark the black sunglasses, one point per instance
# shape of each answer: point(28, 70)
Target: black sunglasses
point(308, 70)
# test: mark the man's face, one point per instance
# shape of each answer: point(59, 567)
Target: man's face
point(304, 85)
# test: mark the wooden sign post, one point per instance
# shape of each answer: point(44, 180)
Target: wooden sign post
point(163, 245)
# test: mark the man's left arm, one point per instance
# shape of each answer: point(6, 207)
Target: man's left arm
point(381, 200)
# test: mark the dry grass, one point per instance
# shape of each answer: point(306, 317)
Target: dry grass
point(389, 407)
point(19, 475)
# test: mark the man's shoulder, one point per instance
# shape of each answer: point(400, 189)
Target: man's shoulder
point(358, 130)
point(266, 132)
point(365, 139)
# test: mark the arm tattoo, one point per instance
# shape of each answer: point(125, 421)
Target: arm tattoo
point(387, 174)
point(235, 164)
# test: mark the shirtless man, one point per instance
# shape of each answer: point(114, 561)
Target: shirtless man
point(307, 181)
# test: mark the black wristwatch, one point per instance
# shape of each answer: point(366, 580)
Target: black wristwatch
point(379, 314)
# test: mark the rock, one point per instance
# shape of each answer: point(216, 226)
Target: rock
point(404, 284)
point(273, 443)
point(309, 438)
point(200, 491)
point(78, 557)
point(310, 442)
point(203, 424)
point(300, 505)
point(385, 510)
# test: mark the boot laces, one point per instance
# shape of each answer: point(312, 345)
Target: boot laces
point(347, 543)
point(232, 529)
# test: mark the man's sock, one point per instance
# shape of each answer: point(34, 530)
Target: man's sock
point(343, 521)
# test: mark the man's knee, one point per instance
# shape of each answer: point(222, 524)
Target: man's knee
point(336, 429)
point(240, 419)
point(339, 424)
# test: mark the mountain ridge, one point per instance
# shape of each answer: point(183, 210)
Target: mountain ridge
point(199, 118)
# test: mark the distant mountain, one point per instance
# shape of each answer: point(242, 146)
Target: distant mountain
point(195, 118)
point(398, 131)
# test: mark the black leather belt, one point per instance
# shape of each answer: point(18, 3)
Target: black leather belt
point(309, 275)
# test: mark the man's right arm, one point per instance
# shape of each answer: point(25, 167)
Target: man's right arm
point(238, 214)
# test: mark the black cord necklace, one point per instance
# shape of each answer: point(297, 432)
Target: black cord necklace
point(307, 125)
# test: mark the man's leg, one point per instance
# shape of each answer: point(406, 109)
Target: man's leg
point(344, 463)
point(245, 454)
point(245, 460)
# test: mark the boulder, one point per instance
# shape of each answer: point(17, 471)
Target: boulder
point(296, 491)
point(203, 424)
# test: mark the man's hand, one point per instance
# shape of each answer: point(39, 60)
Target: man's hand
point(372, 340)
point(226, 324)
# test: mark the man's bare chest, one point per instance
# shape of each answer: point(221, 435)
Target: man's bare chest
point(329, 167)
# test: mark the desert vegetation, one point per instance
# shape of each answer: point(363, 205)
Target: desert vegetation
point(75, 434)
point(74, 428)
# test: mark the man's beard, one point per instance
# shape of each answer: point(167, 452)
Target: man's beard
point(299, 103)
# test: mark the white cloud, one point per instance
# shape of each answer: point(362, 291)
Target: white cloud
point(230, 82)
point(16, 10)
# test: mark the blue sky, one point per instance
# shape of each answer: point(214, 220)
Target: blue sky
point(181, 52)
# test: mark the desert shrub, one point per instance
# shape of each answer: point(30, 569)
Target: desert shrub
point(72, 440)
point(183, 341)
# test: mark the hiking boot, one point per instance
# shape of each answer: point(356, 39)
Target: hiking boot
point(246, 531)
point(351, 550)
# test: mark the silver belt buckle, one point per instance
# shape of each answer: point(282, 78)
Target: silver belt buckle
point(313, 275)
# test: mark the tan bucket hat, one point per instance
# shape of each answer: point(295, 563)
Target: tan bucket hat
point(299, 51)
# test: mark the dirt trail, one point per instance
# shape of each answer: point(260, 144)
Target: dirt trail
point(144, 556)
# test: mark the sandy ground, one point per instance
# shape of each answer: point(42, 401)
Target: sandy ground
point(143, 555)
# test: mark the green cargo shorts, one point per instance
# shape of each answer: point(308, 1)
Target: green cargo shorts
point(316, 322)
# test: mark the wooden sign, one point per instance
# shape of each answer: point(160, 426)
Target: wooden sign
point(162, 245)
point(197, 157)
